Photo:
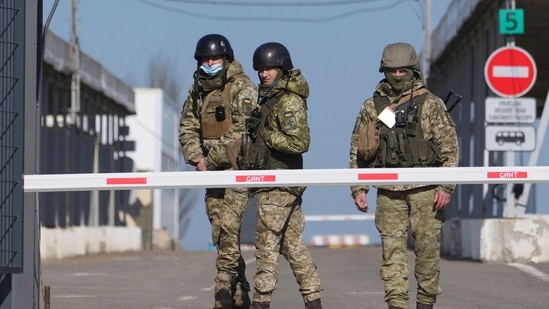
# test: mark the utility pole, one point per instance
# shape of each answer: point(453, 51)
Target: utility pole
point(75, 63)
point(426, 39)
point(72, 119)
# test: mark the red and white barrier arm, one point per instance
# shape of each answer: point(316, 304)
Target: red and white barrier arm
point(281, 178)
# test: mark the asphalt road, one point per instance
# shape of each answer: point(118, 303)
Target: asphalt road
point(350, 279)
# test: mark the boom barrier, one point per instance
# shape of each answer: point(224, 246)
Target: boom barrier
point(283, 178)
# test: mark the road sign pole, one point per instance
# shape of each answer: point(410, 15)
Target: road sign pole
point(511, 210)
point(510, 39)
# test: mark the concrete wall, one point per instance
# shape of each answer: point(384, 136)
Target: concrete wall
point(486, 240)
point(77, 241)
point(497, 240)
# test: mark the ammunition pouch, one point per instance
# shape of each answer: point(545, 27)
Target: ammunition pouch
point(401, 150)
point(233, 152)
point(254, 156)
point(368, 141)
point(429, 156)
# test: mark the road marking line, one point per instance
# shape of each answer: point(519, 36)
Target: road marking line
point(187, 297)
point(73, 296)
point(86, 274)
point(532, 271)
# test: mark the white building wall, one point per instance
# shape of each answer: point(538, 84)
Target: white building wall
point(154, 129)
point(146, 129)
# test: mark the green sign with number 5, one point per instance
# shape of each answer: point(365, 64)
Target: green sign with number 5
point(511, 21)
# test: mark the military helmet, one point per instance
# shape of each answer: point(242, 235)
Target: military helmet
point(213, 45)
point(399, 55)
point(272, 54)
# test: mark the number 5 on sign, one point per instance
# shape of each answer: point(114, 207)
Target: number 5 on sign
point(511, 21)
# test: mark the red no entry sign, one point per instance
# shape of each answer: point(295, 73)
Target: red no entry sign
point(510, 72)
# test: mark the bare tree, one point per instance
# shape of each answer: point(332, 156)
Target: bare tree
point(163, 74)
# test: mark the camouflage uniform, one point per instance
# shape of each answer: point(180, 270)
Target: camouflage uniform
point(280, 219)
point(224, 207)
point(402, 206)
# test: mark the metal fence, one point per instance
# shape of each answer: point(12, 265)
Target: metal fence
point(11, 134)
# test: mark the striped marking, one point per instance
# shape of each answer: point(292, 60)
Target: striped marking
point(340, 241)
point(127, 181)
point(255, 178)
point(507, 175)
point(378, 176)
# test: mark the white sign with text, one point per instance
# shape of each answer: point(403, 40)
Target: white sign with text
point(514, 110)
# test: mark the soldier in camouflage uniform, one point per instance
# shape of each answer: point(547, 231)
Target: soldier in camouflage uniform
point(405, 125)
point(213, 116)
point(279, 135)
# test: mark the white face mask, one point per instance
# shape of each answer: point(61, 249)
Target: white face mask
point(211, 70)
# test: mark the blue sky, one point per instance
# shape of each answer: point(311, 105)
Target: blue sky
point(337, 48)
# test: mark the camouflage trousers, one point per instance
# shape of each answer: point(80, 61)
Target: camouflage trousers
point(396, 211)
point(280, 224)
point(224, 208)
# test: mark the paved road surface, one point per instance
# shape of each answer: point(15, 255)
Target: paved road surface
point(350, 279)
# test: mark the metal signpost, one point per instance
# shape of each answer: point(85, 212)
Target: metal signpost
point(510, 72)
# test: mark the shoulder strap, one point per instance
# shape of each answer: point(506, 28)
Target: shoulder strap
point(265, 109)
point(381, 102)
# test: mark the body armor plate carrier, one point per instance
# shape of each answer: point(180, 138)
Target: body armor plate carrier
point(215, 113)
point(403, 145)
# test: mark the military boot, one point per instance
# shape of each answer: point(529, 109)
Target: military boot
point(315, 304)
point(424, 306)
point(223, 295)
point(240, 297)
point(394, 307)
point(258, 305)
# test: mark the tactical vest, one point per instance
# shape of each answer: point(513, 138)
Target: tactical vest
point(215, 113)
point(256, 155)
point(403, 145)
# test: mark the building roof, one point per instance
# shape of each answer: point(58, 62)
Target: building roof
point(92, 73)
